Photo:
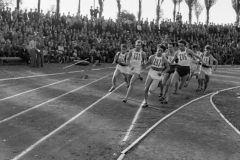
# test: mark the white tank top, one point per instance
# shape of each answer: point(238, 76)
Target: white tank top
point(122, 57)
point(136, 59)
point(170, 58)
point(206, 59)
point(157, 62)
point(183, 58)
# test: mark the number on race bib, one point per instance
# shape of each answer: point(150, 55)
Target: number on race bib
point(205, 60)
point(182, 57)
point(136, 56)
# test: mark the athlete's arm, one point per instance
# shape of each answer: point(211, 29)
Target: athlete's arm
point(175, 57)
point(166, 64)
point(115, 58)
point(129, 56)
point(144, 62)
point(216, 62)
point(190, 52)
point(149, 62)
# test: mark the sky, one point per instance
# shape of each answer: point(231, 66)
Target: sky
point(221, 13)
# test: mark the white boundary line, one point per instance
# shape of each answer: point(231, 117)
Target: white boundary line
point(40, 75)
point(72, 65)
point(215, 79)
point(50, 100)
point(219, 112)
point(51, 74)
point(132, 124)
point(123, 153)
point(63, 125)
point(225, 76)
point(33, 90)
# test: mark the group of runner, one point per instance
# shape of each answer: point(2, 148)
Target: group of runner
point(170, 68)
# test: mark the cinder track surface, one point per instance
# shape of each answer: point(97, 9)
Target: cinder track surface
point(195, 132)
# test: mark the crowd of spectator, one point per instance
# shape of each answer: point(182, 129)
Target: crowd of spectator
point(64, 37)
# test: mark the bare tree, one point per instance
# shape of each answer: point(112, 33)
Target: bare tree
point(179, 4)
point(159, 12)
point(198, 8)
point(100, 2)
point(139, 9)
point(39, 5)
point(18, 3)
point(208, 5)
point(58, 8)
point(174, 9)
point(190, 4)
point(79, 7)
point(158, 9)
point(236, 7)
point(119, 7)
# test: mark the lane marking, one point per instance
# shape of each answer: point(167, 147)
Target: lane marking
point(30, 148)
point(40, 75)
point(124, 152)
point(51, 74)
point(50, 100)
point(97, 69)
point(225, 76)
point(33, 90)
point(71, 65)
point(220, 113)
point(226, 81)
point(132, 123)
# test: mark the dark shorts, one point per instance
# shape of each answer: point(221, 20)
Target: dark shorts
point(172, 68)
point(183, 70)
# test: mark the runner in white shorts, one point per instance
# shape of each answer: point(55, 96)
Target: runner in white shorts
point(183, 69)
point(158, 67)
point(206, 68)
point(136, 59)
point(194, 65)
point(170, 54)
point(122, 67)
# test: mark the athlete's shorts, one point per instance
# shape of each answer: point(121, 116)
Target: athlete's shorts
point(123, 69)
point(206, 70)
point(154, 85)
point(155, 75)
point(183, 70)
point(135, 69)
point(194, 67)
point(172, 68)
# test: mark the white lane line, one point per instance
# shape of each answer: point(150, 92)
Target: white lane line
point(228, 71)
point(52, 74)
point(39, 75)
point(132, 124)
point(226, 81)
point(50, 100)
point(33, 90)
point(225, 76)
point(97, 69)
point(123, 153)
point(219, 112)
point(63, 125)
point(71, 65)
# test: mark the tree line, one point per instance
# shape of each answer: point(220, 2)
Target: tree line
point(193, 5)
